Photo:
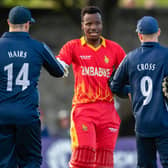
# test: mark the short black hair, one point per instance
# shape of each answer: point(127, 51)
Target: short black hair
point(90, 10)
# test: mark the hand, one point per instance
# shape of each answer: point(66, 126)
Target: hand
point(66, 72)
point(165, 87)
point(65, 66)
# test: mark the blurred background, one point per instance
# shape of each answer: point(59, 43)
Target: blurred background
point(58, 21)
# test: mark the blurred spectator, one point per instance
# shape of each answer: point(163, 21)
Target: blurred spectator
point(129, 3)
point(149, 4)
point(63, 124)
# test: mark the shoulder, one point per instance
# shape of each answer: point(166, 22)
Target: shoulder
point(164, 48)
point(134, 52)
point(131, 55)
point(73, 42)
point(112, 43)
point(162, 51)
point(114, 46)
point(33, 43)
point(36, 42)
point(39, 45)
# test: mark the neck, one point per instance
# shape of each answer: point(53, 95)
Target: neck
point(149, 37)
point(16, 30)
point(150, 40)
point(94, 42)
point(19, 27)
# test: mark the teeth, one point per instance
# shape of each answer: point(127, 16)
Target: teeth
point(93, 33)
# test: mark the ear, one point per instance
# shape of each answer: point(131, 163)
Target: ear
point(82, 25)
point(159, 31)
point(27, 26)
point(8, 21)
point(140, 36)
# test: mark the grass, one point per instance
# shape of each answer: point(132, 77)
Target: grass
point(31, 3)
point(54, 3)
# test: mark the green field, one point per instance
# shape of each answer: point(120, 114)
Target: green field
point(55, 3)
point(159, 3)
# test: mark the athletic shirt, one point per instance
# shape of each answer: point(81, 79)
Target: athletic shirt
point(92, 68)
point(21, 59)
point(145, 68)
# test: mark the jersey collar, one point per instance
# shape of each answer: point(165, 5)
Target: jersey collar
point(16, 34)
point(83, 41)
point(150, 44)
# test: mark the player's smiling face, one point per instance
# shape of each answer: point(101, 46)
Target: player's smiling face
point(92, 27)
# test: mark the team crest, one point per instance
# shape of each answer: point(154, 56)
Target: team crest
point(84, 127)
point(106, 59)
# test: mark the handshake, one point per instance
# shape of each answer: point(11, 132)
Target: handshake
point(165, 87)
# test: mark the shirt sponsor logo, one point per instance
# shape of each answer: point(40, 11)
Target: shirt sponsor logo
point(84, 127)
point(113, 129)
point(18, 54)
point(96, 71)
point(106, 59)
point(85, 57)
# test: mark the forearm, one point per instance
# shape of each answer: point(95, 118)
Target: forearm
point(120, 91)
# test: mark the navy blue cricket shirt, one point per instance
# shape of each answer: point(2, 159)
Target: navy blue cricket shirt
point(144, 69)
point(21, 60)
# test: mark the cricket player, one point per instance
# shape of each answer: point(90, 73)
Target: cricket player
point(94, 120)
point(144, 68)
point(21, 60)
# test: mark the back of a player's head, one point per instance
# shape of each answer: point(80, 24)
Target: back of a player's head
point(147, 25)
point(20, 15)
point(90, 10)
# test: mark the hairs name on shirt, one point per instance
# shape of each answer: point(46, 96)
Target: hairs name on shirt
point(17, 53)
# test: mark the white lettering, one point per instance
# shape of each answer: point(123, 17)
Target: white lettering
point(95, 71)
point(146, 67)
point(10, 54)
point(17, 54)
point(86, 57)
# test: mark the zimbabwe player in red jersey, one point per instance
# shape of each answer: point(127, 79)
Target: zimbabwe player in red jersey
point(94, 120)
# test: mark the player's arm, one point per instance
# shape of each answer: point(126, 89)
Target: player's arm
point(119, 81)
point(51, 64)
point(125, 90)
point(65, 56)
point(65, 66)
